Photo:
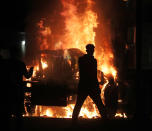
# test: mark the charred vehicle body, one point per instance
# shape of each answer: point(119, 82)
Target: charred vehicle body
point(55, 78)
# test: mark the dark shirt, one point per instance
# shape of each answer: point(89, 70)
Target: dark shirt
point(17, 71)
point(12, 71)
point(88, 72)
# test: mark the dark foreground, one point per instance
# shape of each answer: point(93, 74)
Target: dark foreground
point(51, 124)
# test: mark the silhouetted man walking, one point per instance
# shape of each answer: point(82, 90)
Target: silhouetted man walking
point(88, 83)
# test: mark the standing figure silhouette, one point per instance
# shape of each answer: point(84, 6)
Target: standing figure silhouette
point(17, 69)
point(88, 83)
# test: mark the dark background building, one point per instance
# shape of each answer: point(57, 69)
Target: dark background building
point(13, 14)
point(144, 37)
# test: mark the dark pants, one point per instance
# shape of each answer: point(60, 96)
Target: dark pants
point(17, 106)
point(81, 96)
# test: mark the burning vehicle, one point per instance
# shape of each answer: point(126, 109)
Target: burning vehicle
point(55, 77)
point(55, 81)
point(57, 38)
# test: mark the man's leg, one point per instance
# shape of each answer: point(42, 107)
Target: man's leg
point(80, 100)
point(19, 113)
point(97, 100)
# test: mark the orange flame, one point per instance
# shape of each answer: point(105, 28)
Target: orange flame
point(79, 26)
point(44, 64)
point(89, 110)
point(79, 31)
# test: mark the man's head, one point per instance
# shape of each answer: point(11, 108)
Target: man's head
point(90, 49)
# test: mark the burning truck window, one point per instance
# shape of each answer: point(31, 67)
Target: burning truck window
point(57, 41)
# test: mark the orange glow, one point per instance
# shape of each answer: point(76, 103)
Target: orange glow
point(44, 64)
point(79, 31)
point(44, 33)
point(88, 110)
point(28, 84)
point(79, 28)
point(121, 115)
point(107, 69)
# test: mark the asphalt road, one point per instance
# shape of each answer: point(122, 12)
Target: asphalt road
point(51, 124)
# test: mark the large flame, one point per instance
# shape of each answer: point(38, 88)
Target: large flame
point(79, 26)
point(79, 31)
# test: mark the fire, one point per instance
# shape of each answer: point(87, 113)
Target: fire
point(89, 110)
point(121, 115)
point(29, 85)
point(49, 113)
point(79, 27)
point(108, 70)
point(44, 64)
point(44, 33)
point(102, 91)
point(79, 31)
point(36, 68)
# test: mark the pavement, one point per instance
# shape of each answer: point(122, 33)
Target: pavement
point(51, 124)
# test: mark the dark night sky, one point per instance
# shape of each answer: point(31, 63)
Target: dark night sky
point(146, 9)
point(12, 14)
